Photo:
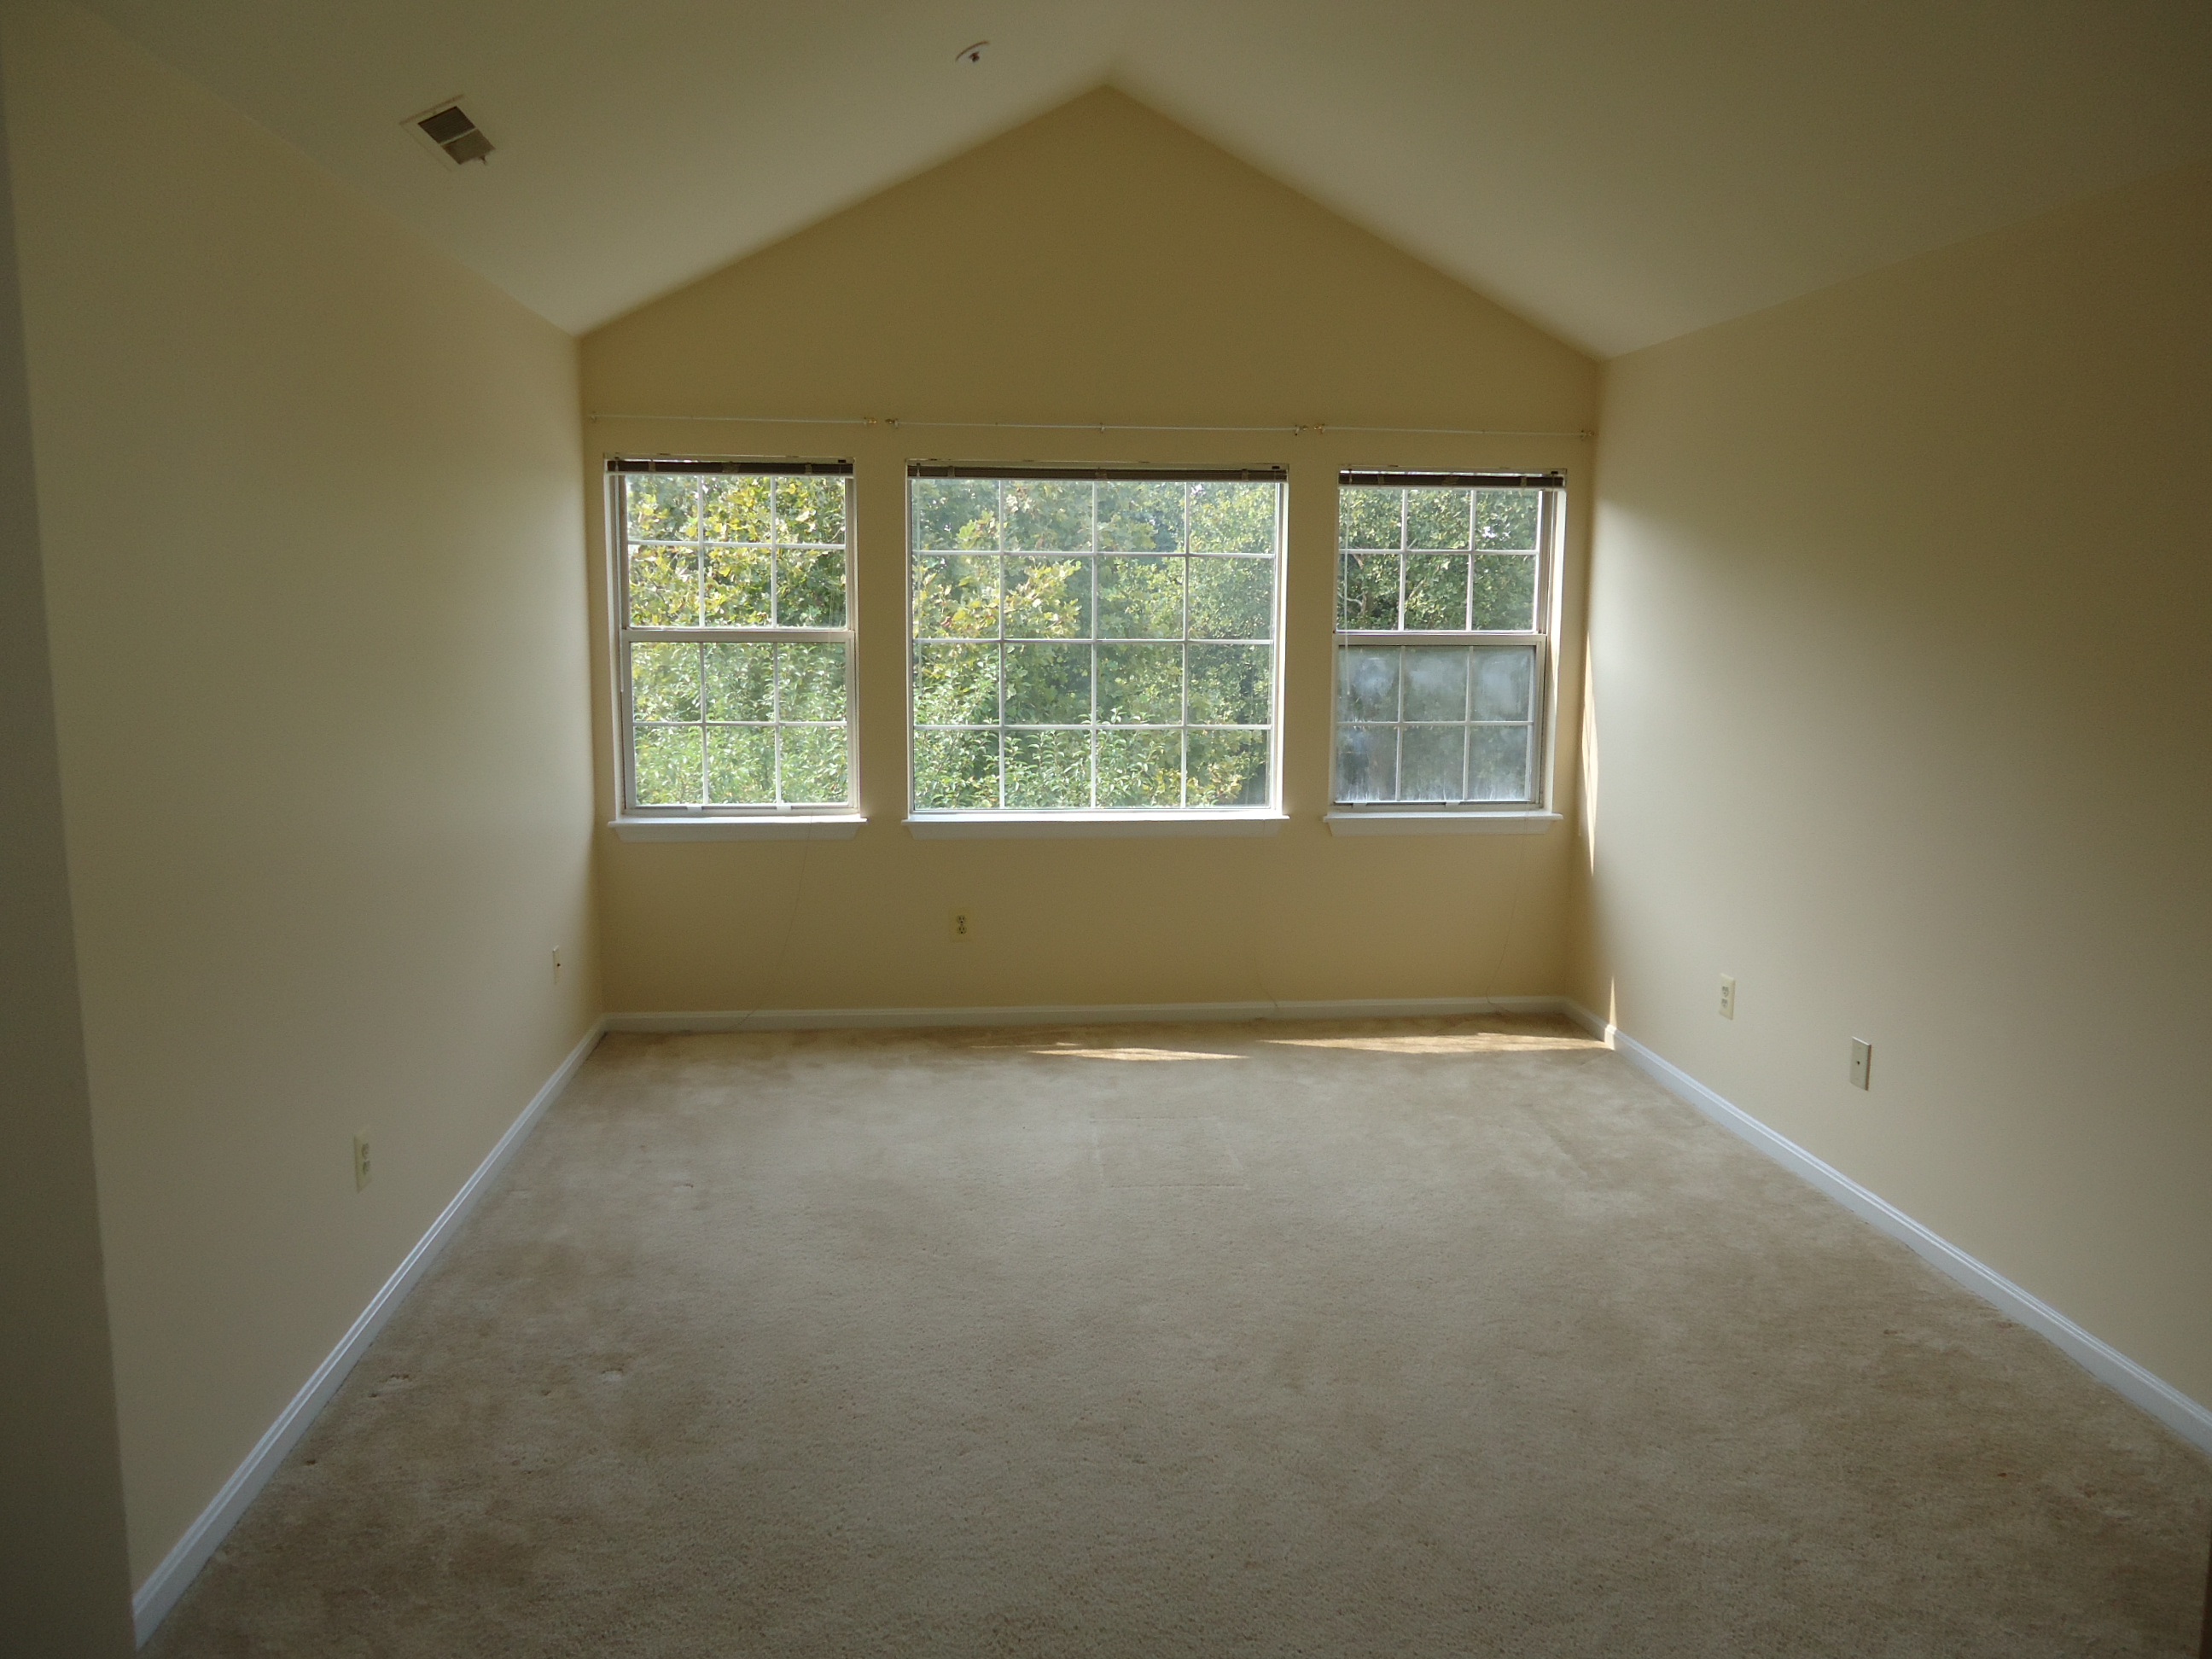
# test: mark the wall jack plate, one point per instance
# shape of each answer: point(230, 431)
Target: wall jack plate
point(1861, 1062)
point(362, 1170)
point(961, 924)
point(1728, 996)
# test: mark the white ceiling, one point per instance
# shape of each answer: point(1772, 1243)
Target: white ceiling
point(1619, 171)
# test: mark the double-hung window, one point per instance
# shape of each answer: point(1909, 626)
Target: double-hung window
point(1093, 640)
point(734, 637)
point(1443, 639)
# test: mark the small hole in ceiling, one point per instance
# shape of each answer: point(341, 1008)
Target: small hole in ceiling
point(972, 54)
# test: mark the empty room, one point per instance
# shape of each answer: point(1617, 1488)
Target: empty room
point(1077, 827)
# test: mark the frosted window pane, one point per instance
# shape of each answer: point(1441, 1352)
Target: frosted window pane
point(1430, 762)
point(1435, 683)
point(1505, 679)
point(1498, 763)
point(1367, 763)
point(1367, 682)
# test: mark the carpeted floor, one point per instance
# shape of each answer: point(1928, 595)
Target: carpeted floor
point(1429, 1338)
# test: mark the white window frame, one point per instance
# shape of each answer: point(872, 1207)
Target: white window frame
point(1532, 812)
point(928, 823)
point(724, 820)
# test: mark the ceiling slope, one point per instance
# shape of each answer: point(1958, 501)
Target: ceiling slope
point(1617, 171)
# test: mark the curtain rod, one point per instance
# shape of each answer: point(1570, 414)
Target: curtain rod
point(1319, 428)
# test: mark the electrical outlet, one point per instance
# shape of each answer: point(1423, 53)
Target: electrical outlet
point(1861, 1062)
point(963, 926)
point(556, 967)
point(1728, 996)
point(361, 1165)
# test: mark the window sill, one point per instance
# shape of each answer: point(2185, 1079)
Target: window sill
point(952, 826)
point(1439, 823)
point(818, 826)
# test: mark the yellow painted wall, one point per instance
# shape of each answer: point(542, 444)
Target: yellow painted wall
point(1099, 265)
point(1900, 602)
point(314, 570)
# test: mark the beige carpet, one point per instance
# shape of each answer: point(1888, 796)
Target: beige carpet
point(1403, 1339)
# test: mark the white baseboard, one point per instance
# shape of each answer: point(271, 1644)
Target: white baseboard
point(153, 1600)
point(2185, 1416)
point(1102, 1013)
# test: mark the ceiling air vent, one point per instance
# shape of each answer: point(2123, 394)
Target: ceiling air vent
point(454, 134)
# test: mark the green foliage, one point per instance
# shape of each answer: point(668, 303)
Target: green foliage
point(1093, 600)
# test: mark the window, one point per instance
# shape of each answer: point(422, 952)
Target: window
point(1093, 640)
point(1442, 662)
point(734, 639)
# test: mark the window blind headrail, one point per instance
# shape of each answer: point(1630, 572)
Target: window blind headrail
point(739, 465)
point(1456, 480)
point(1106, 474)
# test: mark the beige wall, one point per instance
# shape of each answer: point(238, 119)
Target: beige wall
point(314, 572)
point(1099, 265)
point(64, 1583)
point(1900, 599)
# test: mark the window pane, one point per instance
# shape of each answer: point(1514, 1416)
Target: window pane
point(668, 772)
point(663, 506)
point(1232, 599)
point(1228, 769)
point(1230, 684)
point(1504, 681)
point(1140, 517)
point(810, 589)
point(955, 769)
point(1505, 520)
point(1140, 685)
point(1435, 683)
point(735, 507)
point(1047, 684)
point(1047, 598)
point(1498, 763)
point(1435, 518)
point(813, 768)
point(1233, 518)
point(955, 597)
point(955, 684)
point(1430, 767)
point(741, 765)
point(664, 681)
point(1436, 590)
point(1141, 769)
point(813, 683)
point(955, 513)
point(1048, 515)
point(1367, 682)
point(1505, 591)
point(810, 512)
point(1048, 770)
point(1368, 517)
point(664, 587)
point(1140, 598)
point(736, 587)
point(740, 682)
point(1367, 763)
point(1370, 583)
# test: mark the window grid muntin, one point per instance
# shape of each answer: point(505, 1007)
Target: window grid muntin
point(1402, 640)
point(1097, 732)
point(623, 478)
